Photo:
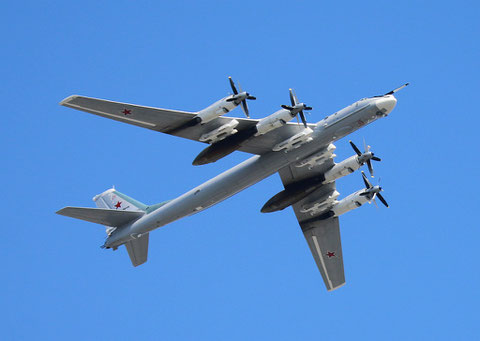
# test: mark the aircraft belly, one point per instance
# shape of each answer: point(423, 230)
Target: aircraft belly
point(222, 187)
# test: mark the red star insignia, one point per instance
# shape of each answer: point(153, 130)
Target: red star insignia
point(330, 254)
point(127, 112)
point(118, 204)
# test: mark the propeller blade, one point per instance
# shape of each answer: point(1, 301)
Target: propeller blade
point(375, 202)
point(307, 108)
point(374, 158)
point(304, 120)
point(232, 84)
point(240, 87)
point(251, 97)
point(286, 107)
point(231, 99)
point(292, 97)
point(245, 108)
point(295, 96)
point(396, 90)
point(382, 199)
point(365, 180)
point(359, 153)
point(370, 168)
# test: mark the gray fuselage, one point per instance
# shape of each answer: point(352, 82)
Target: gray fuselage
point(255, 169)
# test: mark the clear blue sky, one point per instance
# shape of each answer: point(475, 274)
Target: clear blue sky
point(232, 273)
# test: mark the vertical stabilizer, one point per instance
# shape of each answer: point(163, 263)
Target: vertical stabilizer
point(115, 200)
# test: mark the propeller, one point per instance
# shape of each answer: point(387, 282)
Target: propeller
point(366, 156)
point(372, 192)
point(240, 97)
point(393, 91)
point(296, 108)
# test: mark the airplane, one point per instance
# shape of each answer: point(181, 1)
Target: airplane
point(302, 154)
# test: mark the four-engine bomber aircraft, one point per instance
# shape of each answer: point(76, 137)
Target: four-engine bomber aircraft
point(301, 153)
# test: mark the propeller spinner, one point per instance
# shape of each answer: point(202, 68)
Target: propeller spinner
point(240, 97)
point(366, 156)
point(372, 192)
point(296, 108)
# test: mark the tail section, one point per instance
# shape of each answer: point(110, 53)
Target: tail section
point(115, 209)
point(115, 200)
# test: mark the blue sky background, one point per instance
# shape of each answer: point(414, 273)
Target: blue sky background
point(231, 272)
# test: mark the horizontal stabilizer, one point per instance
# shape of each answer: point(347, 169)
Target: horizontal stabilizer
point(108, 217)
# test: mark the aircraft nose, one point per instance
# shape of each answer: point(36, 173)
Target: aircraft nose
point(386, 104)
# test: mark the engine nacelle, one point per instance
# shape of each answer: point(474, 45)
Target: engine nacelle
point(215, 110)
point(295, 141)
point(274, 121)
point(220, 133)
point(318, 159)
point(343, 168)
point(353, 201)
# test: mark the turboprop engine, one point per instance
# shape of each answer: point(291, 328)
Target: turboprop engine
point(352, 201)
point(225, 105)
point(220, 107)
point(227, 145)
point(351, 164)
point(282, 116)
point(295, 192)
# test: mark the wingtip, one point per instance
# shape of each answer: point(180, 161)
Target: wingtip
point(60, 211)
point(65, 101)
point(338, 286)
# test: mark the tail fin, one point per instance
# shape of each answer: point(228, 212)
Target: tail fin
point(113, 199)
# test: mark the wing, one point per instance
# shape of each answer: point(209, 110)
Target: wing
point(166, 121)
point(322, 235)
point(138, 249)
point(323, 238)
